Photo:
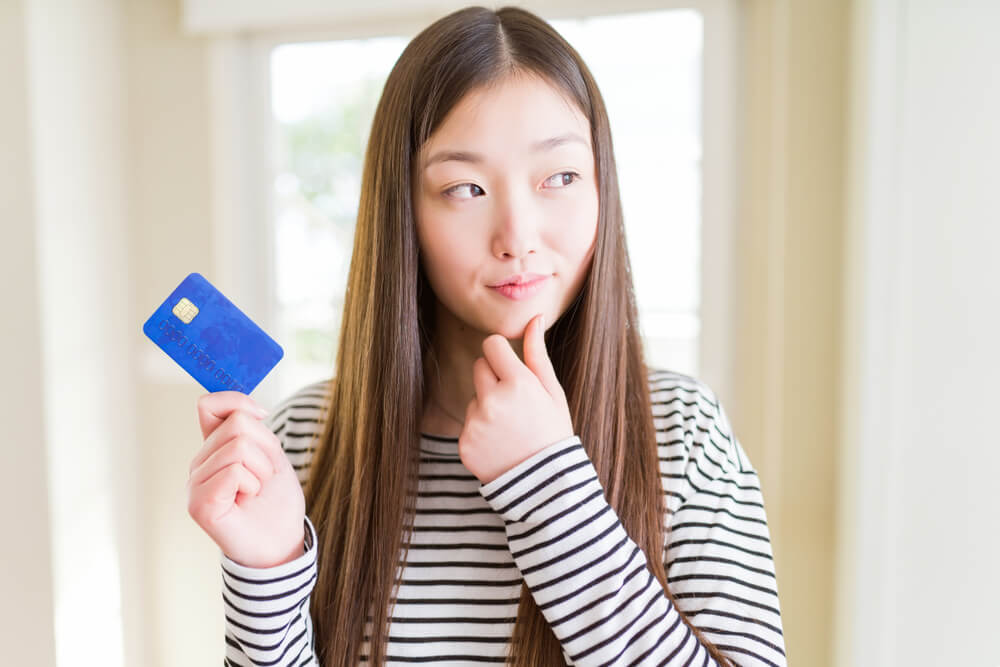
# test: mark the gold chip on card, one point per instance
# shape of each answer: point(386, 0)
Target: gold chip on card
point(185, 310)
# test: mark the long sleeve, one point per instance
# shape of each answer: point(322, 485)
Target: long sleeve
point(720, 563)
point(267, 620)
point(267, 610)
point(591, 581)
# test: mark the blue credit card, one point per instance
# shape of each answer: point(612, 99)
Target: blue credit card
point(212, 339)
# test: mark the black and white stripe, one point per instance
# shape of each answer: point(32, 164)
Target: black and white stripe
point(546, 522)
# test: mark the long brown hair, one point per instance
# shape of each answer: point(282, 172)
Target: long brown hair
point(362, 487)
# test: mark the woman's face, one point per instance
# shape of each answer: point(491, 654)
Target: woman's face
point(507, 186)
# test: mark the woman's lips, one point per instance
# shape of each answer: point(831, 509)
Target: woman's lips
point(523, 290)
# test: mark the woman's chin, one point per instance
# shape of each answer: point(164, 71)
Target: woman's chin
point(513, 328)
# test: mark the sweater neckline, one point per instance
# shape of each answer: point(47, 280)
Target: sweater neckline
point(437, 445)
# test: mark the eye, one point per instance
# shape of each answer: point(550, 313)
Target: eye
point(453, 188)
point(562, 180)
point(573, 176)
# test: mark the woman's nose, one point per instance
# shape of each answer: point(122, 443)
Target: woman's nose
point(516, 229)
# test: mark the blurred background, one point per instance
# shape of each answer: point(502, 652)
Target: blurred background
point(811, 199)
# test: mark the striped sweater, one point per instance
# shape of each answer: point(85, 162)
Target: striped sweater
point(546, 523)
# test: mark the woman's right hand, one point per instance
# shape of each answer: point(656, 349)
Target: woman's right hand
point(243, 490)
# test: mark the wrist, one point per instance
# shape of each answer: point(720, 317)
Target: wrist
point(295, 553)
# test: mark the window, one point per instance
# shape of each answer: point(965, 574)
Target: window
point(323, 113)
point(649, 68)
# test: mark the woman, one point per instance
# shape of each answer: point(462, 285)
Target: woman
point(493, 473)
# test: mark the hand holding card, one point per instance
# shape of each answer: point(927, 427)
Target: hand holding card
point(242, 490)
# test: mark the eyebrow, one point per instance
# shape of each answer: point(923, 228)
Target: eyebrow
point(476, 158)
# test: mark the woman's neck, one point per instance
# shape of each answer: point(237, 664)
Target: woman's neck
point(448, 386)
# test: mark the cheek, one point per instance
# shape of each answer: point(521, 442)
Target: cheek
point(578, 240)
point(447, 259)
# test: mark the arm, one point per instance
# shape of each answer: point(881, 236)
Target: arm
point(267, 610)
point(720, 565)
point(587, 576)
point(591, 580)
point(267, 620)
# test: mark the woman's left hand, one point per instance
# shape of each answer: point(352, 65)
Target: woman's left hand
point(519, 408)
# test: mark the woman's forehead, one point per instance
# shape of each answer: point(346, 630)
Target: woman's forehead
point(523, 115)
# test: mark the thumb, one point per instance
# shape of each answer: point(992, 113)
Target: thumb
point(536, 356)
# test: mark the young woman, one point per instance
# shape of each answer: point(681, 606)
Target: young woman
point(493, 474)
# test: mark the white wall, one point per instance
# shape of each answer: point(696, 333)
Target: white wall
point(74, 56)
point(919, 581)
point(26, 620)
point(70, 379)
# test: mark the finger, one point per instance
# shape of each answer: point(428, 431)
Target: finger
point(536, 355)
point(236, 424)
point(501, 357)
point(213, 409)
point(240, 449)
point(218, 493)
point(483, 377)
